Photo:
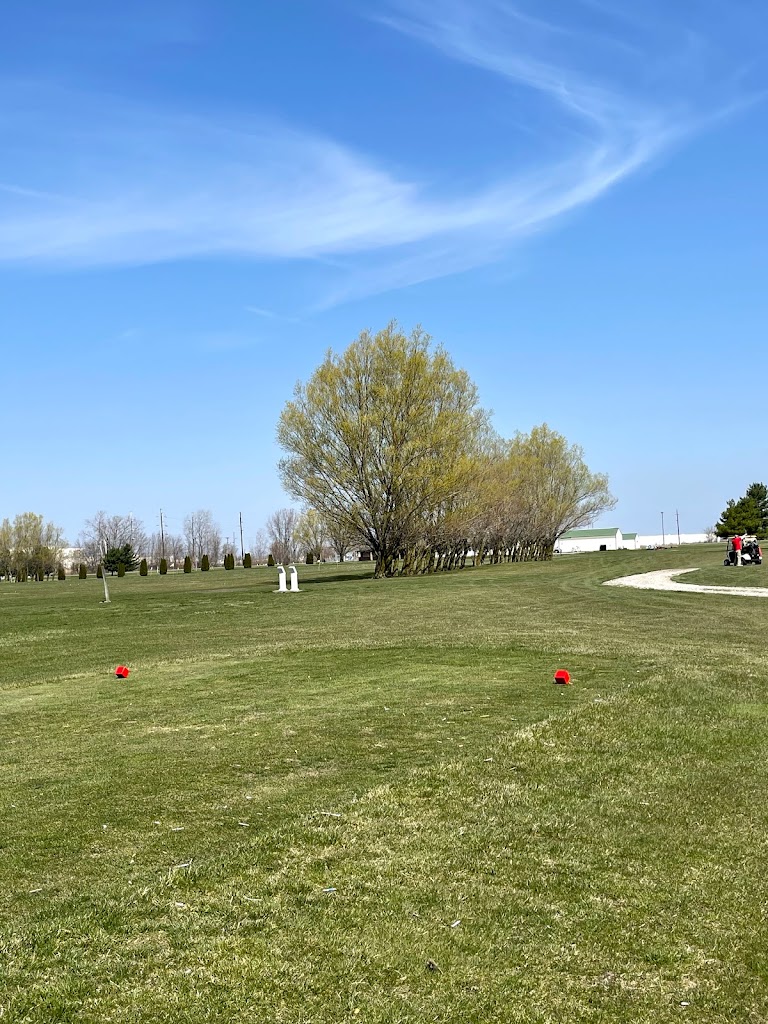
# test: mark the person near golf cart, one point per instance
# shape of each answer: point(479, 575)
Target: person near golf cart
point(736, 542)
point(743, 550)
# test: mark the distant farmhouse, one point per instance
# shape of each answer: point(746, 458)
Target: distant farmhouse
point(612, 539)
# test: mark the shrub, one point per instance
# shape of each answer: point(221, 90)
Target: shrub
point(310, 558)
point(205, 563)
point(229, 561)
point(120, 569)
point(247, 560)
point(187, 564)
point(163, 566)
point(99, 572)
point(271, 560)
point(60, 572)
point(82, 572)
point(143, 568)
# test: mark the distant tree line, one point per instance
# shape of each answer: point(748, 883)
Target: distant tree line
point(30, 548)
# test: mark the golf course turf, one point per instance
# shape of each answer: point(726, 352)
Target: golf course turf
point(368, 801)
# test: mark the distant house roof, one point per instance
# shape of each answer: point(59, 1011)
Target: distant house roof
point(586, 534)
point(629, 536)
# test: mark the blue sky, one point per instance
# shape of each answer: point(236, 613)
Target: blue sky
point(198, 199)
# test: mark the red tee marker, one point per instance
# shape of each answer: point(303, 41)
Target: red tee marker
point(121, 672)
point(562, 676)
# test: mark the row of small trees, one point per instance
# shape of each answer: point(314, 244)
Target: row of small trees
point(287, 535)
point(125, 562)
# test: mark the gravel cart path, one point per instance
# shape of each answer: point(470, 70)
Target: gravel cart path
point(661, 579)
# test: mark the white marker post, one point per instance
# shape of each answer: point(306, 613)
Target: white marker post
point(281, 587)
point(294, 579)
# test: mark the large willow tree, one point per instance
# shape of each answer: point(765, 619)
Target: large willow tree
point(533, 491)
point(381, 441)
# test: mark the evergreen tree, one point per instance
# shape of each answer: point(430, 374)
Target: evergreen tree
point(759, 494)
point(187, 564)
point(310, 558)
point(122, 555)
point(205, 563)
point(143, 568)
point(229, 561)
point(99, 572)
point(82, 572)
point(271, 560)
point(747, 515)
point(163, 566)
point(60, 572)
point(247, 561)
point(120, 570)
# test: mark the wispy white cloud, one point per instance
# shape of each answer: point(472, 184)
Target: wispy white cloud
point(91, 181)
point(270, 314)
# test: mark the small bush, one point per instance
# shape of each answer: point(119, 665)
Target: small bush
point(100, 572)
point(205, 563)
point(60, 572)
point(271, 560)
point(247, 560)
point(229, 561)
point(163, 566)
point(82, 572)
point(120, 569)
point(143, 568)
point(310, 558)
point(187, 564)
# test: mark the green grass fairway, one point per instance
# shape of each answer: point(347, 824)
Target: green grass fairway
point(729, 576)
point(369, 802)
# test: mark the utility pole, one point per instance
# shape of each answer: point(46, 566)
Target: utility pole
point(162, 535)
point(663, 535)
point(242, 549)
point(677, 517)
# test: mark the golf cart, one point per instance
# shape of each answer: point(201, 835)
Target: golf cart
point(750, 552)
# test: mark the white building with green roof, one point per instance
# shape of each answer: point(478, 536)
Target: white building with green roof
point(612, 539)
point(572, 541)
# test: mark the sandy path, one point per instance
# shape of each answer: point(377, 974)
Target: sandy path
point(661, 579)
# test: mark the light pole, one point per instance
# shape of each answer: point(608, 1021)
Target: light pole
point(663, 535)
